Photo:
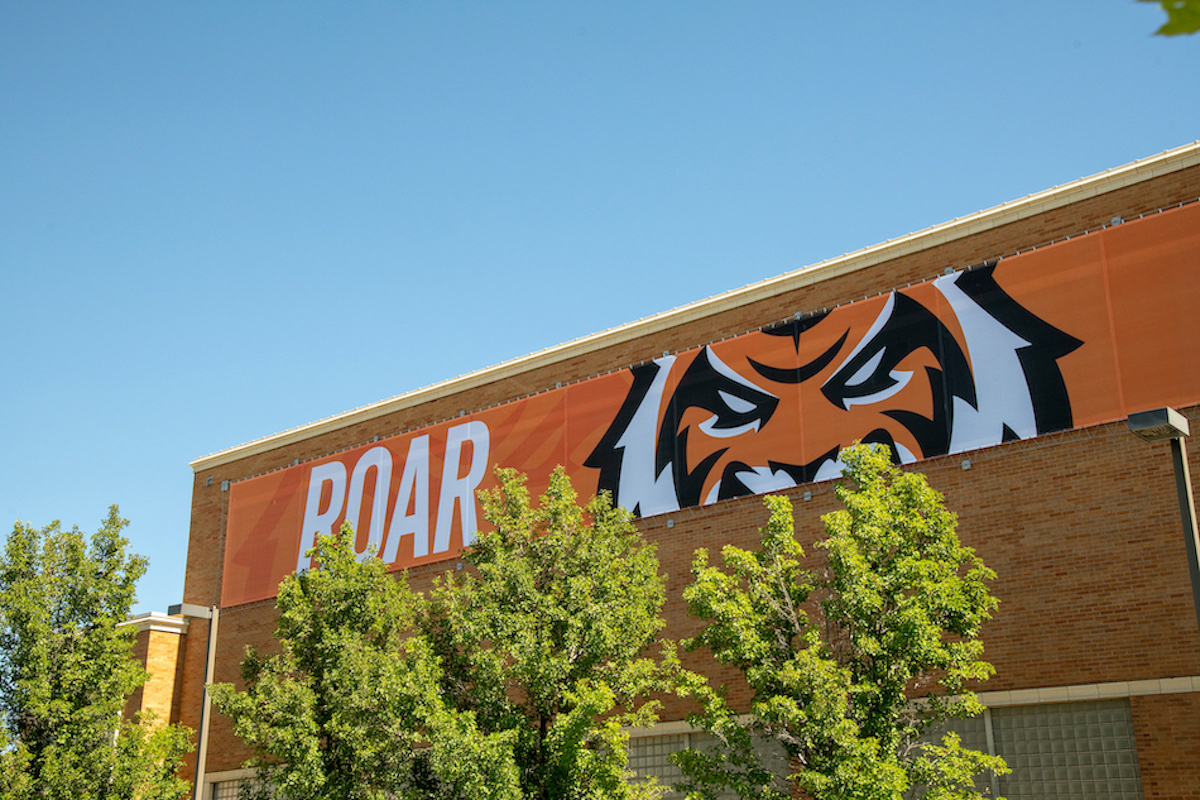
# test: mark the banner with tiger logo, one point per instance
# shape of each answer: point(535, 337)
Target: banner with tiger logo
point(1071, 335)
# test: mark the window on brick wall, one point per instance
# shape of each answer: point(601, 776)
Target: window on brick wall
point(1058, 750)
point(237, 789)
point(649, 756)
point(226, 790)
point(1068, 750)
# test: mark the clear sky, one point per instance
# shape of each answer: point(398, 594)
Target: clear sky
point(222, 220)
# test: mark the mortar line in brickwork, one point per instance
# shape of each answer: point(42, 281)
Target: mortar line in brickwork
point(1097, 229)
point(1104, 430)
point(693, 512)
point(269, 601)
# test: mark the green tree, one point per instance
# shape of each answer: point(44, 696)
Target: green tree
point(543, 645)
point(337, 713)
point(66, 672)
point(1183, 16)
point(510, 681)
point(834, 658)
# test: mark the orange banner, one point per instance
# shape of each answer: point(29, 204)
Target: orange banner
point(1071, 335)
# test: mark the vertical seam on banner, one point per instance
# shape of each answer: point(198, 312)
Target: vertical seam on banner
point(1112, 328)
point(566, 431)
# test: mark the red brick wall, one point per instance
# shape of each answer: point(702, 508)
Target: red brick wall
point(1082, 527)
point(161, 654)
point(1168, 744)
point(138, 653)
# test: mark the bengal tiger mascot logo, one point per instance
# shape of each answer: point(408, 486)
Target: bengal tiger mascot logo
point(941, 367)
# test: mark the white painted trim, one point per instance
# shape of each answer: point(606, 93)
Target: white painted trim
point(1090, 691)
point(1136, 172)
point(668, 729)
point(157, 621)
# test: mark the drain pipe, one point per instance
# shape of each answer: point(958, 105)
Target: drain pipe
point(213, 615)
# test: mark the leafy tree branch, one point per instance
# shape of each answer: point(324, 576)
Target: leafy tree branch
point(66, 671)
point(833, 654)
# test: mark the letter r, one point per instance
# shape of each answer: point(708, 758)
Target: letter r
point(459, 489)
point(333, 472)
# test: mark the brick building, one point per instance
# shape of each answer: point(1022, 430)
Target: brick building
point(1001, 352)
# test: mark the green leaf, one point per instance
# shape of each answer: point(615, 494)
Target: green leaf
point(830, 648)
point(1183, 16)
point(546, 638)
point(66, 671)
point(510, 681)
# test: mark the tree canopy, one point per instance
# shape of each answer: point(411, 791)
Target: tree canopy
point(66, 671)
point(336, 712)
point(512, 679)
point(543, 643)
point(833, 654)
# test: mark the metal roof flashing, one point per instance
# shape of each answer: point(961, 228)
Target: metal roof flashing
point(1116, 178)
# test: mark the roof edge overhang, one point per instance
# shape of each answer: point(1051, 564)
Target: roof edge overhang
point(1013, 211)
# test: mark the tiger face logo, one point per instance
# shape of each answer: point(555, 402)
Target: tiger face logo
point(942, 367)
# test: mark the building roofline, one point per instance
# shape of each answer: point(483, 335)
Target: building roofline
point(1013, 211)
point(157, 621)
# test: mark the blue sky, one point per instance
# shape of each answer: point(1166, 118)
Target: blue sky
point(219, 221)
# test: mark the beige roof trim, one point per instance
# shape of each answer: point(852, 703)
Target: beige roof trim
point(1164, 163)
point(157, 621)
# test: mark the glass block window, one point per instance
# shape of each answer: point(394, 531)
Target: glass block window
point(649, 756)
point(1057, 751)
point(226, 790)
point(1068, 750)
point(236, 789)
point(973, 733)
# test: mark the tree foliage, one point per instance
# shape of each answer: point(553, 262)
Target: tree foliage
point(336, 713)
point(511, 680)
point(1183, 16)
point(543, 646)
point(833, 657)
point(66, 671)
